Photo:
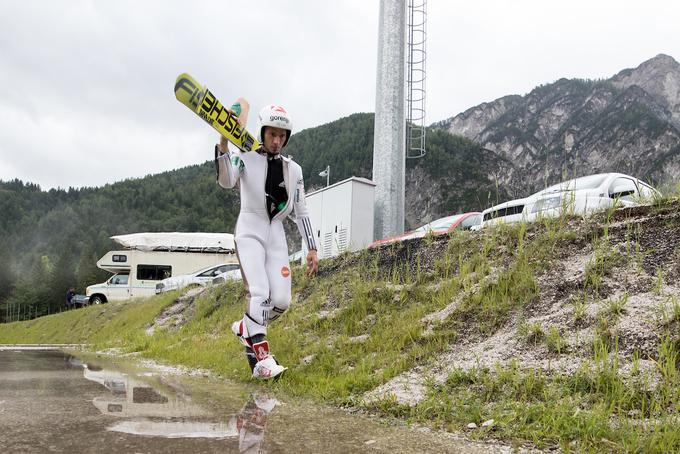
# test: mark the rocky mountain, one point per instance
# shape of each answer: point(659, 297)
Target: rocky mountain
point(660, 78)
point(629, 123)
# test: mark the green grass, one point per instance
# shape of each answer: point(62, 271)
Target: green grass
point(592, 410)
point(669, 311)
point(554, 340)
point(658, 281)
point(616, 306)
point(605, 259)
point(531, 333)
point(580, 306)
point(113, 324)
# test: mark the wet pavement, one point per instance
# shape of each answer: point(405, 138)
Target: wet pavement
point(52, 401)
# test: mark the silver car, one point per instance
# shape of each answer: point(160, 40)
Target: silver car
point(231, 275)
point(577, 196)
point(201, 277)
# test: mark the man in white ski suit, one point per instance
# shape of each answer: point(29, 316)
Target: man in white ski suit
point(271, 187)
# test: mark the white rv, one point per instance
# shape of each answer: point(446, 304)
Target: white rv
point(147, 258)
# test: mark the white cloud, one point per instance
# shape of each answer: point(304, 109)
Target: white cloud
point(86, 86)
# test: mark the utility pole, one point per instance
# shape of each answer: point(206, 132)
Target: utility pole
point(390, 136)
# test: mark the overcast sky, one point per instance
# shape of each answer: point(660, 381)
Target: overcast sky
point(86, 87)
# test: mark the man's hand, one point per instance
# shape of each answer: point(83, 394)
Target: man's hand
point(242, 115)
point(223, 146)
point(244, 109)
point(312, 263)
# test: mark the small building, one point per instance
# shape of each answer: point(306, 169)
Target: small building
point(342, 213)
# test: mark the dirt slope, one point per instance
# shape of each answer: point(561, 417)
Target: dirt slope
point(630, 301)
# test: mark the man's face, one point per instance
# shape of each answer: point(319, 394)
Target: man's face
point(274, 139)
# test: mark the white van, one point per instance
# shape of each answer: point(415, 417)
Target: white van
point(148, 258)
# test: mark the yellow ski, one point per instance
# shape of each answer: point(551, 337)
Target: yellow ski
point(204, 104)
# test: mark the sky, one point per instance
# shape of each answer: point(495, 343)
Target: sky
point(86, 86)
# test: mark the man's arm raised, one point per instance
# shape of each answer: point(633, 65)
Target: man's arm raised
point(240, 108)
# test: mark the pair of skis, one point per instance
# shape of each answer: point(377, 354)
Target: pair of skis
point(203, 103)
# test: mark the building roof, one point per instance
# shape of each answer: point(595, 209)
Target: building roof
point(350, 179)
point(177, 241)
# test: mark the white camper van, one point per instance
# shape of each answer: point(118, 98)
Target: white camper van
point(147, 258)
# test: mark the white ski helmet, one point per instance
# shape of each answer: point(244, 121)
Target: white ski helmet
point(277, 117)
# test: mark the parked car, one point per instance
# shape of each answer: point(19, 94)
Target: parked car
point(577, 196)
point(296, 257)
point(441, 226)
point(201, 277)
point(80, 300)
point(511, 211)
point(231, 275)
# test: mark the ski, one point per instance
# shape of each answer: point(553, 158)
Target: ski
point(203, 103)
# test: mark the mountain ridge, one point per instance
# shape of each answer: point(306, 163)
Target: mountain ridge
point(572, 127)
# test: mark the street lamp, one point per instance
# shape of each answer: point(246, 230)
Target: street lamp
point(326, 173)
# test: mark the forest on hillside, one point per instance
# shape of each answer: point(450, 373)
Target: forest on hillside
point(51, 240)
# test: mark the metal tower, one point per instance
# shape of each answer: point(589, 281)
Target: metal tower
point(391, 143)
point(389, 133)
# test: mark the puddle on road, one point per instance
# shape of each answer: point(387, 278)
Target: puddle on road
point(54, 401)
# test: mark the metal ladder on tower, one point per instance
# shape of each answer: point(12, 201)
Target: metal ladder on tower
point(416, 18)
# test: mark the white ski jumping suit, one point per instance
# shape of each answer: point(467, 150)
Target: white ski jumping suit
point(260, 241)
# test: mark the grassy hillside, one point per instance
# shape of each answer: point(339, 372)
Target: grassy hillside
point(563, 332)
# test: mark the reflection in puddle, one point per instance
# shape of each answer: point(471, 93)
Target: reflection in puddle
point(153, 411)
point(252, 421)
point(129, 397)
point(176, 429)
